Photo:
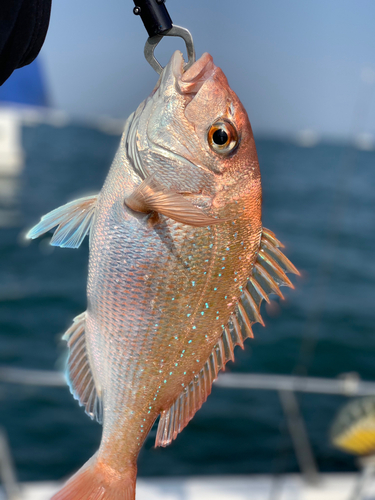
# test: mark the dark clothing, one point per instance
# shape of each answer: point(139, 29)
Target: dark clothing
point(23, 28)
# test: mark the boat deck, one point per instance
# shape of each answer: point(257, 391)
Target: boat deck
point(285, 487)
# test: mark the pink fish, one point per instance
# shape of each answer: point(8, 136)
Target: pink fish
point(179, 264)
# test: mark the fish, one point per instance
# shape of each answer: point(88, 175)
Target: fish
point(179, 264)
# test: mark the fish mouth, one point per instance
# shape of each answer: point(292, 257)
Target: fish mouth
point(192, 80)
point(187, 83)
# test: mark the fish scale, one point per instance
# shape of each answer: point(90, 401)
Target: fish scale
point(134, 315)
point(179, 265)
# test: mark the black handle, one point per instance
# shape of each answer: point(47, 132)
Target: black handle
point(154, 15)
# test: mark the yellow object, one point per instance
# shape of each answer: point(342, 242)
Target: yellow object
point(354, 428)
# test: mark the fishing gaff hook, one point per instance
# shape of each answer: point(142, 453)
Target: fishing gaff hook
point(158, 24)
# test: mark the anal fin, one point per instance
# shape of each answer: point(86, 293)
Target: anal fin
point(80, 378)
point(73, 220)
point(268, 274)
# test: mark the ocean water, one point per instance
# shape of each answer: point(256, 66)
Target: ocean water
point(319, 201)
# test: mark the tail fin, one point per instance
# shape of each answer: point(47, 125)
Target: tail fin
point(96, 481)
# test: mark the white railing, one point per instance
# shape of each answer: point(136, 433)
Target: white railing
point(347, 385)
point(286, 386)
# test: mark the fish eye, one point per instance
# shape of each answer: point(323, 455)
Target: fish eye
point(222, 137)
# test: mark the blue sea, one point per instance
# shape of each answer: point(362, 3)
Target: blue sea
point(320, 202)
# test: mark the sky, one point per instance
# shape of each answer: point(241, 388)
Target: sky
point(295, 64)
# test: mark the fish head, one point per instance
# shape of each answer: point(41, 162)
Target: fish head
point(194, 135)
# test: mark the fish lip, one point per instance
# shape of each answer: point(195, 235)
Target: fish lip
point(177, 64)
point(190, 81)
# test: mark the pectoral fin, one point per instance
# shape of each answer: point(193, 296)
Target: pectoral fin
point(73, 220)
point(149, 196)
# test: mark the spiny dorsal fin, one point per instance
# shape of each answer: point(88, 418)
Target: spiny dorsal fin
point(73, 220)
point(80, 379)
point(268, 274)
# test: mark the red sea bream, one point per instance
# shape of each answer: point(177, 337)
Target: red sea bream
point(179, 264)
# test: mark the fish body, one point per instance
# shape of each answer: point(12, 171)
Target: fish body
point(175, 245)
point(160, 291)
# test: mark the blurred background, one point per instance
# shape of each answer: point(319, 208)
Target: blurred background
point(305, 72)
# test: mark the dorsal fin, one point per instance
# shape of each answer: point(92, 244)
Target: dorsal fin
point(267, 275)
point(73, 220)
point(80, 379)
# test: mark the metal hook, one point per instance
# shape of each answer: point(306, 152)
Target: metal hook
point(153, 41)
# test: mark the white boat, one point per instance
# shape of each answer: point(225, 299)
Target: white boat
point(265, 487)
